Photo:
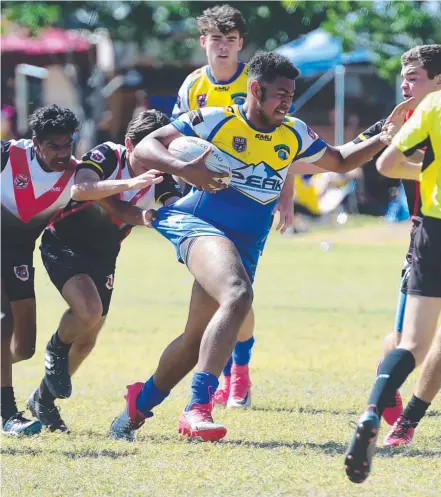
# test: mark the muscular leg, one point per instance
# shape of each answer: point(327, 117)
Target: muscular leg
point(7, 326)
point(216, 265)
point(83, 346)
point(85, 309)
point(181, 356)
point(247, 329)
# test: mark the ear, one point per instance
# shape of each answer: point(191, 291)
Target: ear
point(129, 144)
point(438, 81)
point(203, 41)
point(255, 89)
point(240, 43)
point(35, 142)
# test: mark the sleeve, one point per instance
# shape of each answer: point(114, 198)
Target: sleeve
point(201, 122)
point(101, 159)
point(415, 131)
point(182, 101)
point(311, 146)
point(167, 189)
point(373, 130)
point(6, 145)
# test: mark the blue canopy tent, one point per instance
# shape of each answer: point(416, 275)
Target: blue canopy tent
point(319, 52)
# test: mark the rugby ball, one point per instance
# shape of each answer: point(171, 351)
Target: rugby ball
point(188, 148)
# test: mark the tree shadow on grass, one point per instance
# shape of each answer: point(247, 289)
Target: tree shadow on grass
point(307, 410)
point(77, 454)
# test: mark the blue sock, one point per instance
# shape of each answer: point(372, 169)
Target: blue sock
point(242, 352)
point(150, 397)
point(203, 386)
point(227, 369)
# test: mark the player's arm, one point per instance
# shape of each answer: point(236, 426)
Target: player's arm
point(152, 152)
point(94, 179)
point(126, 212)
point(413, 135)
point(394, 164)
point(285, 203)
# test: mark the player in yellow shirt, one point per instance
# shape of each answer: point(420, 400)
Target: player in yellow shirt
point(423, 306)
point(223, 82)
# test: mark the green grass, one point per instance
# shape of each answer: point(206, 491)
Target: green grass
point(321, 317)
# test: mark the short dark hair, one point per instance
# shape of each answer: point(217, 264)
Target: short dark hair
point(53, 120)
point(145, 123)
point(428, 55)
point(266, 66)
point(224, 18)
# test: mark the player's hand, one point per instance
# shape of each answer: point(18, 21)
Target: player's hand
point(396, 120)
point(149, 216)
point(151, 177)
point(285, 209)
point(197, 173)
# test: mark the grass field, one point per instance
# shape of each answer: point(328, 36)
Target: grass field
point(321, 316)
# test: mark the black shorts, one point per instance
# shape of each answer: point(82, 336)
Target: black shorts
point(17, 270)
point(425, 273)
point(407, 264)
point(62, 264)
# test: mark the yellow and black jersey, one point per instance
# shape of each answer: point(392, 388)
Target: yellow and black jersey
point(423, 129)
point(200, 89)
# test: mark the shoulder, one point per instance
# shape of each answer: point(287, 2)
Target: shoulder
point(194, 76)
point(300, 127)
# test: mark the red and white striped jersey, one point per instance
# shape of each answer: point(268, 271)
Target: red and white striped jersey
point(30, 194)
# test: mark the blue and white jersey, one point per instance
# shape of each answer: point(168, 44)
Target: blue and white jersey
point(260, 159)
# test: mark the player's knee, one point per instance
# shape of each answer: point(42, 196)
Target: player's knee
point(241, 297)
point(7, 327)
point(23, 351)
point(88, 313)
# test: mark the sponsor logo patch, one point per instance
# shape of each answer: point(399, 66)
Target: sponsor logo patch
point(21, 181)
point(22, 272)
point(202, 100)
point(97, 156)
point(109, 282)
point(312, 133)
point(239, 144)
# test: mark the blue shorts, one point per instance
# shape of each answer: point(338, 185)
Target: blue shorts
point(178, 227)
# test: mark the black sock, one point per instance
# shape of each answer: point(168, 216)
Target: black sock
point(415, 410)
point(8, 406)
point(58, 346)
point(392, 373)
point(45, 395)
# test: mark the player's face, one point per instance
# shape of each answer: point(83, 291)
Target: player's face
point(275, 100)
point(55, 151)
point(416, 82)
point(222, 49)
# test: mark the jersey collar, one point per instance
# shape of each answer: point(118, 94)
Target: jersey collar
point(235, 76)
point(259, 130)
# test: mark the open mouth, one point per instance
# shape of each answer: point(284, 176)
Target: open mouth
point(406, 96)
point(281, 112)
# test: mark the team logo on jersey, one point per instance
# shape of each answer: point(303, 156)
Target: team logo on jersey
point(97, 156)
point(312, 133)
point(21, 181)
point(109, 282)
point(202, 100)
point(239, 144)
point(283, 151)
point(22, 272)
point(239, 98)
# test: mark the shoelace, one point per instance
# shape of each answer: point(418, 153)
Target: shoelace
point(402, 428)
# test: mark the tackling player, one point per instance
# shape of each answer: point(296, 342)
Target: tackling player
point(80, 248)
point(36, 179)
point(220, 237)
